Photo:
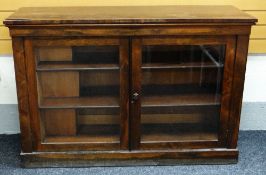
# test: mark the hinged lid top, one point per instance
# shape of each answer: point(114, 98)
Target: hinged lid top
point(128, 15)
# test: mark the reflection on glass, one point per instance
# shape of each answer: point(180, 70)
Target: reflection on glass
point(181, 89)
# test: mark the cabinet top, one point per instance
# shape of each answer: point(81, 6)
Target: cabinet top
point(128, 15)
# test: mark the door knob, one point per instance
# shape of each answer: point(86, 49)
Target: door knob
point(135, 96)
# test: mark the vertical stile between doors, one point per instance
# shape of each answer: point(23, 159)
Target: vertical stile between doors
point(124, 96)
point(136, 88)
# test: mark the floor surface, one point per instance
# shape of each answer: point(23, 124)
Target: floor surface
point(252, 161)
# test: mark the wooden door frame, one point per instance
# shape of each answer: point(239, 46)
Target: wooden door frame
point(38, 143)
point(135, 114)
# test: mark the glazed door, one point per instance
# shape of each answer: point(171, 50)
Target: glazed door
point(180, 96)
point(80, 90)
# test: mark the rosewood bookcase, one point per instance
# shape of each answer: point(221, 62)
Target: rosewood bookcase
point(129, 85)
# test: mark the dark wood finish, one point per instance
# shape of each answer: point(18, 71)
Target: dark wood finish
point(33, 94)
point(78, 143)
point(237, 90)
point(184, 40)
point(227, 90)
point(135, 88)
point(50, 42)
point(112, 108)
point(128, 30)
point(128, 15)
point(124, 96)
point(22, 93)
point(137, 158)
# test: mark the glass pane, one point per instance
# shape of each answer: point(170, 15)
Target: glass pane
point(79, 93)
point(181, 90)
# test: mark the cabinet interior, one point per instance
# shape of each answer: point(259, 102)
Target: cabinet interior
point(180, 93)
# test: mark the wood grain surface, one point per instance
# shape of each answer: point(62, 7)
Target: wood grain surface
point(126, 14)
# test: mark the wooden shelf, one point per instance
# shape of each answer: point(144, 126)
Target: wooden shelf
point(180, 65)
point(188, 109)
point(82, 139)
point(90, 134)
point(177, 132)
point(180, 100)
point(113, 102)
point(170, 89)
point(79, 102)
point(66, 66)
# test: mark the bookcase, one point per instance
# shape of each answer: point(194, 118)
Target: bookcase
point(129, 85)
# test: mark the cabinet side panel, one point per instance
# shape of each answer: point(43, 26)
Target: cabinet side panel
point(238, 86)
point(22, 93)
point(33, 94)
